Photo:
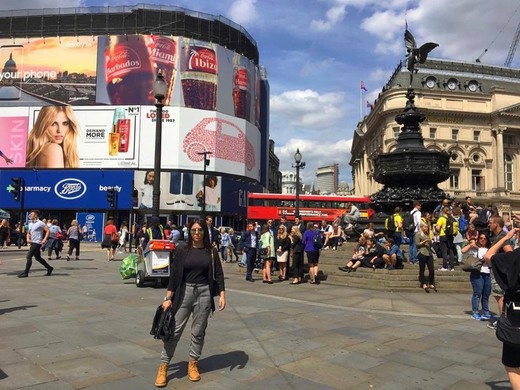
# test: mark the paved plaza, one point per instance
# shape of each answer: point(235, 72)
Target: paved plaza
point(85, 327)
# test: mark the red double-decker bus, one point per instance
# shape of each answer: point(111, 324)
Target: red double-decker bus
point(263, 206)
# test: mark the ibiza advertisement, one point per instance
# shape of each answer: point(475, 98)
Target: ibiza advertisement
point(199, 75)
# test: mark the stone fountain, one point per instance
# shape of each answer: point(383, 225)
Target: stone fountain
point(410, 172)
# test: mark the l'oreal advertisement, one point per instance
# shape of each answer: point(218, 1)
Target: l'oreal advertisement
point(83, 137)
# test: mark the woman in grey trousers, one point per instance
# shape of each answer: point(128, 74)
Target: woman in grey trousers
point(196, 277)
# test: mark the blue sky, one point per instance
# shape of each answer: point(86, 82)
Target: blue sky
point(317, 51)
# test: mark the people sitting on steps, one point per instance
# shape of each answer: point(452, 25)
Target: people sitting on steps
point(393, 257)
point(359, 253)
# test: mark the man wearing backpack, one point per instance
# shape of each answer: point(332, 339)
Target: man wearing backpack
point(446, 228)
point(394, 226)
point(412, 224)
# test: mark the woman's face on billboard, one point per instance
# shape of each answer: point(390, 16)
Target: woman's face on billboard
point(59, 128)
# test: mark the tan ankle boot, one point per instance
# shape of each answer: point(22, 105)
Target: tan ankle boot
point(162, 376)
point(193, 371)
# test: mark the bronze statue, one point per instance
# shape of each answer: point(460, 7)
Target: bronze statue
point(416, 55)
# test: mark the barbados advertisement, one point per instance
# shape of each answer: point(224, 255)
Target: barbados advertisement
point(122, 69)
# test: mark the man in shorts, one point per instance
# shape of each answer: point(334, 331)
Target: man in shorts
point(496, 229)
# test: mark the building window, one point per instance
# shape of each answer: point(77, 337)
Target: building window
point(396, 131)
point(476, 135)
point(477, 180)
point(455, 134)
point(454, 179)
point(433, 132)
point(508, 172)
point(509, 139)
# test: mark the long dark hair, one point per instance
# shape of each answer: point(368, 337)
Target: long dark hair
point(205, 237)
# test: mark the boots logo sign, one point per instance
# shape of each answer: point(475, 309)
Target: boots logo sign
point(69, 189)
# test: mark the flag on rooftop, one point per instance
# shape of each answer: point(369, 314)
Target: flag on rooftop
point(363, 86)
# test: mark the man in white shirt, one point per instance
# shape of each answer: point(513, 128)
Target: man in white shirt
point(351, 216)
point(416, 214)
point(37, 235)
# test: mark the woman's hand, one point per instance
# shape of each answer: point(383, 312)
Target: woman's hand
point(167, 304)
point(221, 301)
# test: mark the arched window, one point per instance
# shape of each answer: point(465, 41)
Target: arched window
point(508, 172)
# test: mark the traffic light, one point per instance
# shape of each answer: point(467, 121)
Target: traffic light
point(111, 197)
point(16, 187)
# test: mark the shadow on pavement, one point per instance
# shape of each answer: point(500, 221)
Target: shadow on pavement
point(231, 360)
point(16, 308)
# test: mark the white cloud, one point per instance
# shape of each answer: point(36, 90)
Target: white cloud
point(307, 108)
point(243, 11)
point(333, 16)
point(315, 155)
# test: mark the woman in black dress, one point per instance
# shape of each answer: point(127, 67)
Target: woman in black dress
point(297, 254)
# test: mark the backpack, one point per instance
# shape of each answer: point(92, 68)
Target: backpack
point(452, 226)
point(317, 241)
point(390, 223)
point(482, 219)
point(463, 224)
point(408, 221)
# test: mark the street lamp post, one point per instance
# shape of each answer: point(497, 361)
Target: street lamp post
point(206, 163)
point(159, 91)
point(298, 164)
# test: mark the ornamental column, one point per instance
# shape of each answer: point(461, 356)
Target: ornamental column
point(500, 158)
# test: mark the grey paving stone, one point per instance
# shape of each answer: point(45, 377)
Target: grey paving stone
point(269, 337)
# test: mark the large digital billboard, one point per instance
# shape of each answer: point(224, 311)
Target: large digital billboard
point(58, 137)
point(212, 104)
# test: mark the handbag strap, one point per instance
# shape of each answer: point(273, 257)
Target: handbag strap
point(213, 262)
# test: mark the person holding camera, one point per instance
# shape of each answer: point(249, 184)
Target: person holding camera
point(506, 267)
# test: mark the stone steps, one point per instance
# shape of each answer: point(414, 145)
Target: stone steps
point(402, 280)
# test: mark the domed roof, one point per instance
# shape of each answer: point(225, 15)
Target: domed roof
point(10, 63)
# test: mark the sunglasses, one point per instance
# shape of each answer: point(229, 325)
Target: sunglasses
point(197, 230)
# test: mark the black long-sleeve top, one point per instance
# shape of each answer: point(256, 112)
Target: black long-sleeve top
point(192, 265)
point(284, 243)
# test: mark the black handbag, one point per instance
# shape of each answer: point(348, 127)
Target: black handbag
point(507, 332)
point(163, 325)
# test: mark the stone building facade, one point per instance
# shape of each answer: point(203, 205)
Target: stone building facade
point(472, 111)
